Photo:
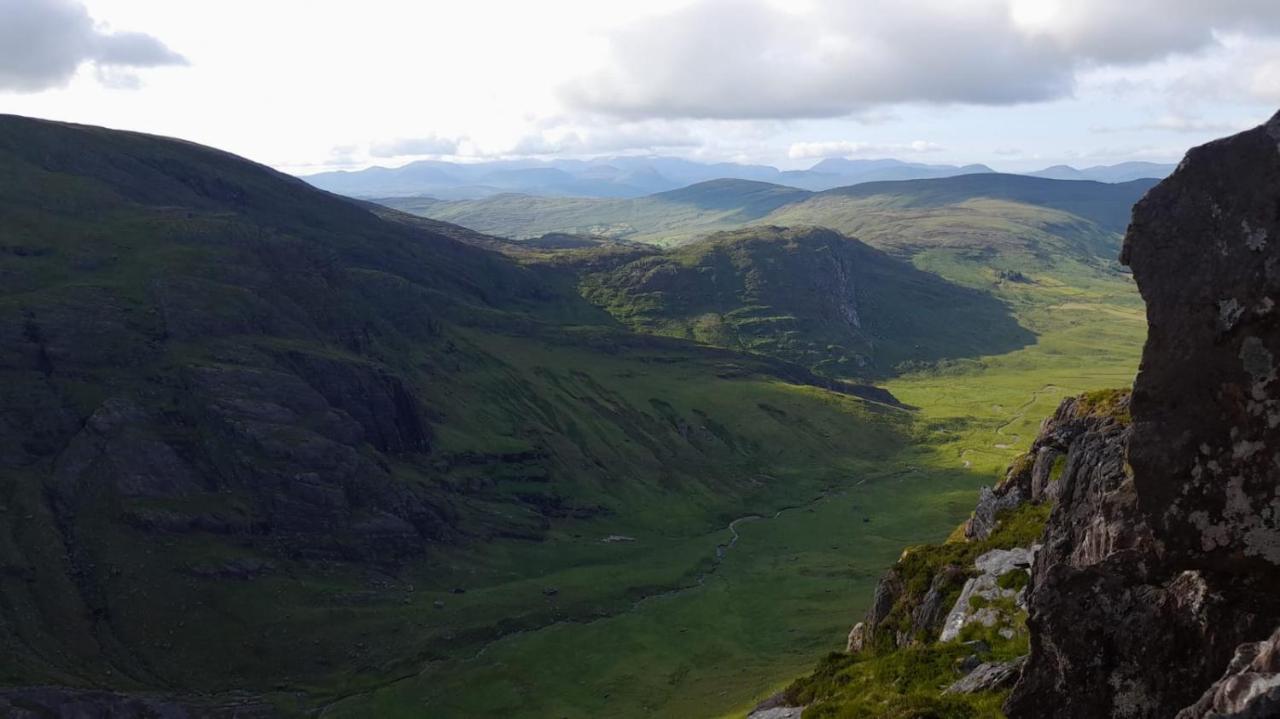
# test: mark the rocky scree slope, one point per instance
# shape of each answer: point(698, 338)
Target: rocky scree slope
point(1155, 587)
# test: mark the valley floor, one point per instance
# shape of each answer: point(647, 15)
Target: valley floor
point(793, 583)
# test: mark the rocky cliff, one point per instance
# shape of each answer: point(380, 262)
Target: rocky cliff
point(1160, 592)
point(947, 633)
point(1155, 586)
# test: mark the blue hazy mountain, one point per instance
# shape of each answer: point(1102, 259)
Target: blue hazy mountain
point(626, 177)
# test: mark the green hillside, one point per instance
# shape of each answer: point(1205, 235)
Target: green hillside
point(259, 438)
point(664, 218)
point(251, 432)
point(986, 211)
point(808, 295)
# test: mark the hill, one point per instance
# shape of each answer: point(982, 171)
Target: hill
point(973, 229)
point(1107, 205)
point(666, 217)
point(1122, 172)
point(240, 416)
point(1132, 515)
point(808, 295)
point(275, 451)
point(636, 176)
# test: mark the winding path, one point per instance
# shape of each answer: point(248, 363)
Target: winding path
point(1019, 413)
point(721, 551)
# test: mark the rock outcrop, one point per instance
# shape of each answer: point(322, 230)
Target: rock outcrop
point(981, 600)
point(1182, 542)
point(947, 629)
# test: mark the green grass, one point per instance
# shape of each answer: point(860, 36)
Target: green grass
point(887, 680)
point(553, 427)
point(792, 587)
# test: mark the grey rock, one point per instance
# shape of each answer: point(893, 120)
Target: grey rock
point(857, 639)
point(775, 707)
point(1206, 403)
point(988, 677)
point(1170, 529)
point(1249, 689)
point(990, 567)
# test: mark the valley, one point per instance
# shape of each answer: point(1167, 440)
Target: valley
point(703, 359)
point(480, 477)
point(793, 584)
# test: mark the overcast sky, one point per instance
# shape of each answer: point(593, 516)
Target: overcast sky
point(307, 85)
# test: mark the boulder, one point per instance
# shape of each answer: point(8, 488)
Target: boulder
point(988, 677)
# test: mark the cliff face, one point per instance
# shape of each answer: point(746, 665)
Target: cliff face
point(1157, 581)
point(1155, 586)
point(955, 615)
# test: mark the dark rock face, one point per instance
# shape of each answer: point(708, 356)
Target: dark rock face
point(1250, 688)
point(1205, 249)
point(1158, 586)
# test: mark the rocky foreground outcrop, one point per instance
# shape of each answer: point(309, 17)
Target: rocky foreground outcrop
point(1155, 587)
point(947, 631)
point(1159, 586)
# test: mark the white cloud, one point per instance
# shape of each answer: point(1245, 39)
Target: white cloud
point(427, 145)
point(1180, 123)
point(757, 59)
point(559, 136)
point(843, 148)
point(44, 42)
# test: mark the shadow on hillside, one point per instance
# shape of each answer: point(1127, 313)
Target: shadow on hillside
point(918, 319)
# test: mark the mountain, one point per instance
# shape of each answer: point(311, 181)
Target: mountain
point(810, 296)
point(1030, 222)
point(856, 171)
point(1122, 172)
point(1134, 515)
point(1104, 204)
point(671, 216)
point(262, 446)
point(627, 177)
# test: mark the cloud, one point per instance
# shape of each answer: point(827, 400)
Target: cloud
point(841, 148)
point(591, 138)
point(1179, 123)
point(759, 59)
point(427, 145)
point(44, 42)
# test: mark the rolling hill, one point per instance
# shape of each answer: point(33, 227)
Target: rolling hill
point(1039, 220)
point(666, 217)
point(240, 416)
point(636, 176)
point(808, 295)
point(269, 451)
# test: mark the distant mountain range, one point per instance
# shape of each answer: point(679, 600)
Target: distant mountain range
point(979, 210)
point(626, 177)
point(1123, 172)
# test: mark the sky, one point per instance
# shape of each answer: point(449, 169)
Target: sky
point(313, 85)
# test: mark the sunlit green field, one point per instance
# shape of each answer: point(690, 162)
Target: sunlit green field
point(789, 589)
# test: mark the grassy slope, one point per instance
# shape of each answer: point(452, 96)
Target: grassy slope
point(972, 210)
point(663, 218)
point(807, 295)
point(788, 590)
point(115, 237)
point(794, 584)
